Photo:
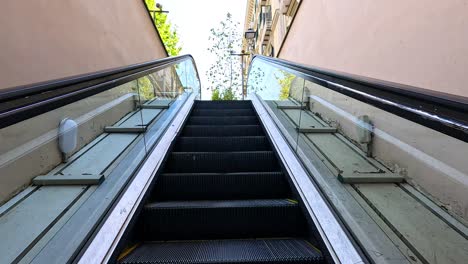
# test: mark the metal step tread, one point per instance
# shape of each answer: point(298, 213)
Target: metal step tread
point(200, 174)
point(238, 161)
point(226, 130)
point(223, 112)
point(223, 104)
point(287, 250)
point(213, 144)
point(209, 204)
point(222, 131)
point(209, 186)
point(222, 120)
point(221, 219)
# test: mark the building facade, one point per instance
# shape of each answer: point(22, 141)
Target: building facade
point(271, 19)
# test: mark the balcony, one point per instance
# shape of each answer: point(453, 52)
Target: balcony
point(266, 22)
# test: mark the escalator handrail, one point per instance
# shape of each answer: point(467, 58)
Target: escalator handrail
point(23, 102)
point(442, 112)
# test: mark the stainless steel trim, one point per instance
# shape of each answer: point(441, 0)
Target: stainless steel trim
point(336, 239)
point(103, 244)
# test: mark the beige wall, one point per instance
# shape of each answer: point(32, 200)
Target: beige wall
point(49, 39)
point(422, 43)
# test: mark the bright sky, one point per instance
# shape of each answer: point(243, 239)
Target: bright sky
point(194, 19)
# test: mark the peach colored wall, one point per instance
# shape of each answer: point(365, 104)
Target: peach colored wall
point(423, 43)
point(49, 39)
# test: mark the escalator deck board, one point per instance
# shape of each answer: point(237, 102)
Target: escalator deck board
point(226, 251)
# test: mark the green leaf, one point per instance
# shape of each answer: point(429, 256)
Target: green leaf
point(224, 74)
point(166, 30)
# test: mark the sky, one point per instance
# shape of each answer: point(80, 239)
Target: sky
point(194, 19)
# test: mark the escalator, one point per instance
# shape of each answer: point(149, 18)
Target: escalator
point(314, 168)
point(221, 197)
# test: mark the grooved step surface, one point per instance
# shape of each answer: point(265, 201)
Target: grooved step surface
point(222, 181)
point(204, 186)
point(223, 105)
point(220, 144)
point(174, 220)
point(226, 251)
point(223, 112)
point(254, 161)
point(220, 121)
point(221, 204)
point(222, 131)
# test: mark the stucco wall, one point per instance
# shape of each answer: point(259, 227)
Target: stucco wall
point(420, 43)
point(49, 39)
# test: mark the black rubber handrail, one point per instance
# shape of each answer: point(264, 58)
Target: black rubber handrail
point(442, 112)
point(23, 102)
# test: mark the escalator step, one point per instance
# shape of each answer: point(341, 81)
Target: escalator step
point(221, 197)
point(212, 186)
point(222, 121)
point(223, 105)
point(175, 220)
point(220, 144)
point(222, 131)
point(226, 251)
point(253, 161)
point(223, 112)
